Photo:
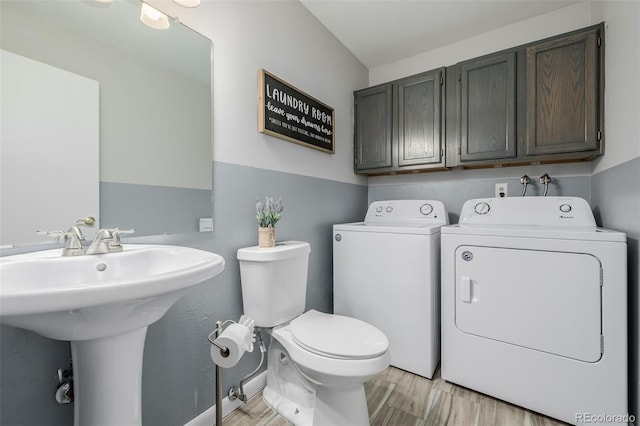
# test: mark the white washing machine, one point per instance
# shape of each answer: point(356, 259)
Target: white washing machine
point(386, 271)
point(534, 307)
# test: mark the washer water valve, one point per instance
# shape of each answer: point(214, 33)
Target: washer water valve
point(545, 179)
point(525, 180)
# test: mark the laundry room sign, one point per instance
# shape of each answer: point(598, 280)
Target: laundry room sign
point(290, 114)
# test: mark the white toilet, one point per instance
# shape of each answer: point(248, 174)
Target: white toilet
point(318, 362)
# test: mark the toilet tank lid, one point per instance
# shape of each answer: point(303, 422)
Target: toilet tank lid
point(281, 251)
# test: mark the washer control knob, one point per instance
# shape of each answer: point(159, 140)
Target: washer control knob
point(482, 208)
point(426, 209)
point(379, 209)
point(389, 209)
point(565, 208)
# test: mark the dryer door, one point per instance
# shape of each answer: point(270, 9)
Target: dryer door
point(543, 300)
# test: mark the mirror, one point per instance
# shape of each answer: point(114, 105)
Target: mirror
point(155, 113)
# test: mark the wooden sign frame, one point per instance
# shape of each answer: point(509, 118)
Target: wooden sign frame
point(288, 113)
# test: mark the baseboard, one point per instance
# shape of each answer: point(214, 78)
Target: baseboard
point(208, 417)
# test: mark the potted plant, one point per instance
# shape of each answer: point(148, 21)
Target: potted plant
point(268, 213)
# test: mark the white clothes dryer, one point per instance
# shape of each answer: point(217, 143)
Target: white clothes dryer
point(386, 272)
point(534, 307)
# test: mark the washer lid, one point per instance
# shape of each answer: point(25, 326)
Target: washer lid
point(337, 336)
point(390, 228)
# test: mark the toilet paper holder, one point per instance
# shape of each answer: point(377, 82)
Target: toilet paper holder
point(247, 328)
point(225, 352)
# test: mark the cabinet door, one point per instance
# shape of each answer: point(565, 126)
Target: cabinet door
point(373, 127)
point(562, 95)
point(487, 113)
point(419, 122)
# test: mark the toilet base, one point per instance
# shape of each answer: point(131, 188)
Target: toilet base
point(346, 407)
point(303, 402)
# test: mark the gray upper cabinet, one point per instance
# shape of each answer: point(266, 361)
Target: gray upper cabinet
point(488, 108)
point(542, 102)
point(398, 125)
point(419, 118)
point(373, 127)
point(563, 93)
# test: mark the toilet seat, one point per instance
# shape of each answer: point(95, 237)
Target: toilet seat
point(337, 336)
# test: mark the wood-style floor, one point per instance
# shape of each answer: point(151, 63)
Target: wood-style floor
point(399, 398)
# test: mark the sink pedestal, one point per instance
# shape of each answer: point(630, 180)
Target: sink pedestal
point(107, 379)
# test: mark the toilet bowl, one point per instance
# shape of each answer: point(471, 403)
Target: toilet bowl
point(317, 362)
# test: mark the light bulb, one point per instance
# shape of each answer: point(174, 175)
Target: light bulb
point(153, 17)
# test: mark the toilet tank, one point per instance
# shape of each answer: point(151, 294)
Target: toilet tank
point(274, 281)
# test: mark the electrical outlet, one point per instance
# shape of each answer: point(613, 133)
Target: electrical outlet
point(502, 190)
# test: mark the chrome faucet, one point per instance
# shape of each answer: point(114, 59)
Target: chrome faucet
point(107, 241)
point(73, 239)
point(99, 245)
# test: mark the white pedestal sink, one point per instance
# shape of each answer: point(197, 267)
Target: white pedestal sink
point(103, 305)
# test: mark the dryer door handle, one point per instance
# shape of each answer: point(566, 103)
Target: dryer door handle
point(465, 289)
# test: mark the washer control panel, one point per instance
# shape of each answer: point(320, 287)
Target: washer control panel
point(407, 211)
point(545, 211)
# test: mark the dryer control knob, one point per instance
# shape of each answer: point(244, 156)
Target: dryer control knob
point(565, 208)
point(426, 209)
point(379, 209)
point(389, 209)
point(482, 208)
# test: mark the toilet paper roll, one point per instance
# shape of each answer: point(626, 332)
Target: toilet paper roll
point(237, 339)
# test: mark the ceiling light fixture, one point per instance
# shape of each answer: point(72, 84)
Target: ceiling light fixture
point(188, 3)
point(153, 18)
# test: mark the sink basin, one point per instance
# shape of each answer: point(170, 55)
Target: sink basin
point(88, 297)
point(103, 304)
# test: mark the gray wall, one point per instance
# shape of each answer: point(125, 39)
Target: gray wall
point(153, 209)
point(178, 372)
point(28, 365)
point(615, 198)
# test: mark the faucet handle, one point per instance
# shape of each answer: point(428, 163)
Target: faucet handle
point(115, 242)
point(545, 179)
point(56, 234)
